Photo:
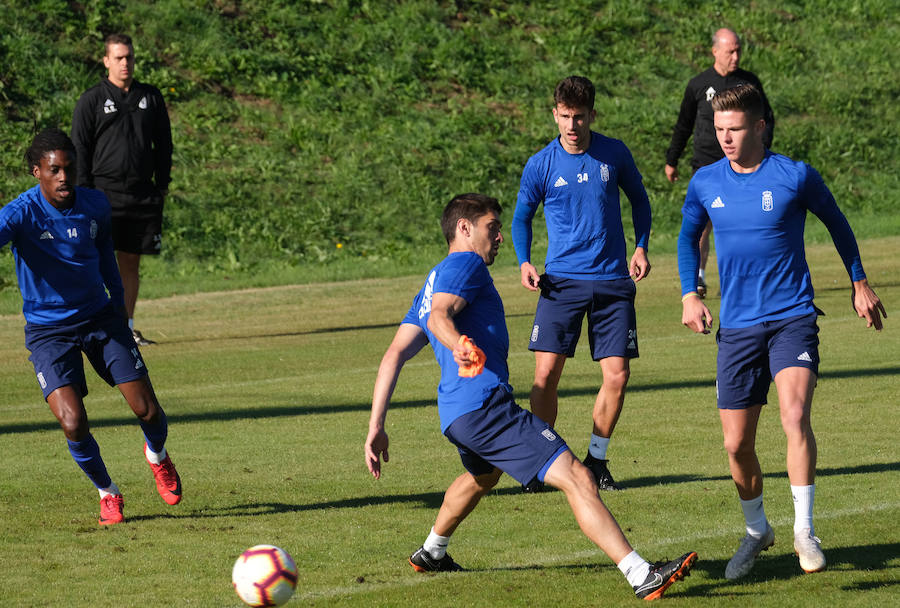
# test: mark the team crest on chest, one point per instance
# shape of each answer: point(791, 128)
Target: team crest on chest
point(93, 229)
point(604, 172)
point(767, 202)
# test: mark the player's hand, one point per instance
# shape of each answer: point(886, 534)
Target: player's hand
point(469, 357)
point(696, 316)
point(671, 173)
point(867, 305)
point(530, 276)
point(376, 446)
point(640, 265)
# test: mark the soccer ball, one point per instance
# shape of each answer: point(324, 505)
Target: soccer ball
point(264, 575)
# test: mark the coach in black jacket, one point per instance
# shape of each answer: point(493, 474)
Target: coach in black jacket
point(696, 116)
point(123, 142)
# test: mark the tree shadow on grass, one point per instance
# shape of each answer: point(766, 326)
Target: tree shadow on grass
point(276, 411)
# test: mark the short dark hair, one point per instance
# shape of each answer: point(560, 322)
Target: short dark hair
point(574, 92)
point(742, 98)
point(116, 39)
point(45, 142)
point(468, 206)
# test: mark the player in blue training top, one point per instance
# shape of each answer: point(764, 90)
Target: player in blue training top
point(577, 177)
point(73, 302)
point(757, 201)
point(459, 312)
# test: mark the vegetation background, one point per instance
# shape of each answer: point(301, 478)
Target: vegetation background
point(319, 139)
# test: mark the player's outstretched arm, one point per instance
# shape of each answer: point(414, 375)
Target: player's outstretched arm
point(867, 305)
point(530, 276)
point(407, 342)
point(640, 264)
point(695, 315)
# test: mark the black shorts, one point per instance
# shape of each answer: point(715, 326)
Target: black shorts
point(136, 223)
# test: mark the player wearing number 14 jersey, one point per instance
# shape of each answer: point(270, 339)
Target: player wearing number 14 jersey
point(577, 177)
point(73, 302)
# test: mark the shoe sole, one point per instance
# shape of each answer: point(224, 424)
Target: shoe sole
point(678, 575)
point(111, 522)
point(418, 568)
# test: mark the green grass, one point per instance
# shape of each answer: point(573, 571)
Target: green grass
point(299, 126)
point(268, 391)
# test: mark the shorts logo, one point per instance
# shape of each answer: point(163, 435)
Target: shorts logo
point(604, 172)
point(805, 357)
point(93, 229)
point(767, 203)
point(632, 339)
point(138, 364)
point(548, 434)
point(40, 378)
point(534, 333)
point(425, 308)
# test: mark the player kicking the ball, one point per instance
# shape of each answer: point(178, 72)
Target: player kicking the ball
point(65, 266)
point(757, 201)
point(459, 312)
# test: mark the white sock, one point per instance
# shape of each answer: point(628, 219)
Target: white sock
point(702, 273)
point(154, 457)
point(635, 568)
point(803, 507)
point(112, 489)
point(131, 323)
point(598, 446)
point(755, 516)
point(436, 545)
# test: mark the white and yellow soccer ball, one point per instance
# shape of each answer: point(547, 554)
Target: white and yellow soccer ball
point(264, 575)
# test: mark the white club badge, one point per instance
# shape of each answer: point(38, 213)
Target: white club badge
point(604, 172)
point(767, 202)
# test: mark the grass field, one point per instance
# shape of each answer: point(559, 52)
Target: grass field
point(267, 392)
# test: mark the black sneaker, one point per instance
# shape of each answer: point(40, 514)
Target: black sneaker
point(139, 339)
point(535, 487)
point(601, 473)
point(422, 561)
point(663, 574)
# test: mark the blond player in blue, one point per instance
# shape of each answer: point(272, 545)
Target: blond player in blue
point(478, 415)
point(577, 177)
point(73, 303)
point(757, 201)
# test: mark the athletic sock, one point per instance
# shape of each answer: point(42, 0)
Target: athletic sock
point(112, 489)
point(635, 568)
point(131, 323)
point(154, 457)
point(702, 274)
point(598, 446)
point(803, 506)
point(436, 545)
point(755, 516)
point(86, 454)
point(156, 434)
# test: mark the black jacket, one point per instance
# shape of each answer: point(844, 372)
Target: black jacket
point(123, 140)
point(696, 116)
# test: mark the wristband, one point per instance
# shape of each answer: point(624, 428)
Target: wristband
point(688, 295)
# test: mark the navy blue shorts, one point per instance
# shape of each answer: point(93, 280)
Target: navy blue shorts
point(750, 357)
point(104, 338)
point(501, 434)
point(612, 325)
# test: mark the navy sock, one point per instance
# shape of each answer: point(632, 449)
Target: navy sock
point(86, 454)
point(156, 434)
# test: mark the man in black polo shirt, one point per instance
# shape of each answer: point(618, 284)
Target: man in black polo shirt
point(696, 116)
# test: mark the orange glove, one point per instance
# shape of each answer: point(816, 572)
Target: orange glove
point(476, 357)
